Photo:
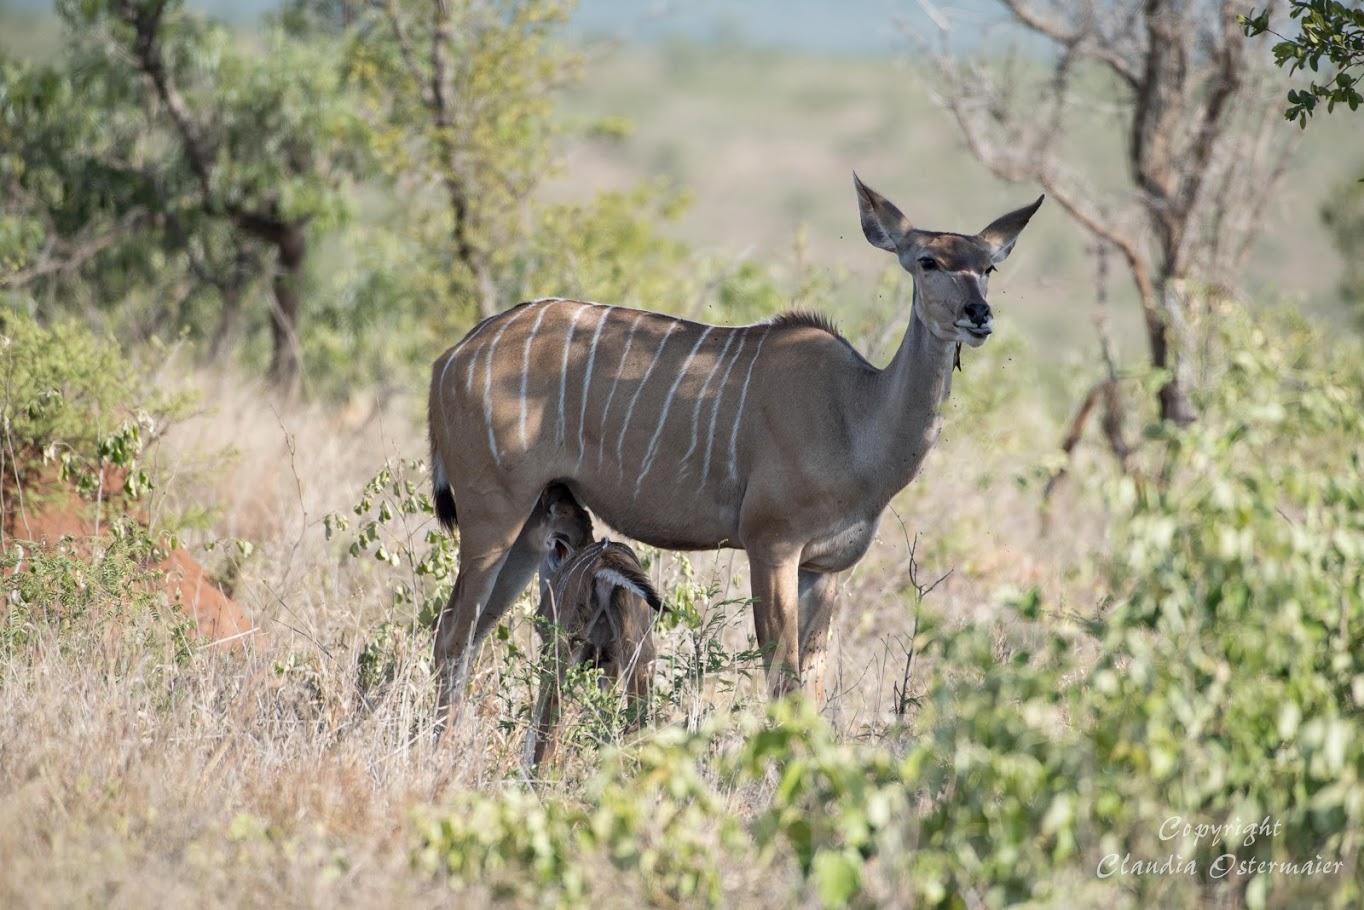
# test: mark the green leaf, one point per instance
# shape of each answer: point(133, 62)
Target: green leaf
point(838, 877)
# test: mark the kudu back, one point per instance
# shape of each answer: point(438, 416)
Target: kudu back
point(596, 609)
point(777, 438)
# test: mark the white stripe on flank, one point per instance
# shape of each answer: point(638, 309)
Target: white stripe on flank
point(715, 408)
point(451, 359)
point(473, 358)
point(587, 383)
point(488, 382)
point(525, 374)
point(563, 375)
point(701, 399)
point(625, 355)
point(743, 400)
point(625, 425)
point(667, 406)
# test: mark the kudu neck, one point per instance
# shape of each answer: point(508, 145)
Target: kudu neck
point(910, 395)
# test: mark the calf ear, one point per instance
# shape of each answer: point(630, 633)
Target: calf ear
point(633, 582)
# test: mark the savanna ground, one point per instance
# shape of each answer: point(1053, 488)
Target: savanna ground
point(1182, 643)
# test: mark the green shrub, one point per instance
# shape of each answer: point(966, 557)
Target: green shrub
point(70, 399)
point(1228, 683)
point(106, 602)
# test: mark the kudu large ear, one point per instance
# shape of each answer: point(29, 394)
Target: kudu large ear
point(882, 222)
point(630, 578)
point(1003, 231)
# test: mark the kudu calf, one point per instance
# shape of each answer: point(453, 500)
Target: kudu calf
point(596, 609)
point(777, 438)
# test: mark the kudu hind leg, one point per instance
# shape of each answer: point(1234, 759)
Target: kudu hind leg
point(485, 549)
point(523, 559)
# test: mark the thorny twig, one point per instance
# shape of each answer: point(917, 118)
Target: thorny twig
point(900, 693)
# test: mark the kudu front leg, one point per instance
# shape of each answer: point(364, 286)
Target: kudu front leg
point(776, 619)
point(817, 598)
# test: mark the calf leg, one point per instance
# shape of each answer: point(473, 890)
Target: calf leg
point(540, 743)
point(635, 669)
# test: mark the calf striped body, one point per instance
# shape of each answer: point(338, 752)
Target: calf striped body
point(596, 608)
point(777, 438)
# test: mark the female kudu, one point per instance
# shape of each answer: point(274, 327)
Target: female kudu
point(777, 438)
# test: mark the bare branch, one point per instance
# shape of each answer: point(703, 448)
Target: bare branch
point(1081, 40)
point(1198, 152)
point(146, 24)
point(1054, 29)
point(60, 256)
point(406, 50)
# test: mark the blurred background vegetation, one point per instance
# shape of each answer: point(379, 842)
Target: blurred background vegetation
point(234, 236)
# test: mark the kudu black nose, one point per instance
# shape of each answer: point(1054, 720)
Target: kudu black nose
point(978, 312)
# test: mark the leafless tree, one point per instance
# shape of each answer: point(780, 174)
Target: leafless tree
point(1205, 142)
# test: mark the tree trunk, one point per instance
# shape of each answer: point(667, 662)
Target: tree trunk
point(1175, 405)
point(286, 358)
point(467, 250)
point(228, 320)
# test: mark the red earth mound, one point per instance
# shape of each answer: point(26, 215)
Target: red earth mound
point(186, 583)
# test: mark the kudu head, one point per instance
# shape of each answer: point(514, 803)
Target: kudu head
point(951, 271)
point(598, 596)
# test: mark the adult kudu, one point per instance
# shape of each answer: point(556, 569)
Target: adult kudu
point(777, 438)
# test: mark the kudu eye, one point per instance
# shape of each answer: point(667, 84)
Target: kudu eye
point(990, 270)
point(928, 263)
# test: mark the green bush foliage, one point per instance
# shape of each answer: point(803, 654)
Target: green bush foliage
point(71, 401)
point(1326, 30)
point(82, 601)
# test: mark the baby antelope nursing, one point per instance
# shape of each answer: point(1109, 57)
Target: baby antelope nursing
point(596, 609)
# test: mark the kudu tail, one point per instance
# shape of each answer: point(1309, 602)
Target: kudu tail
point(442, 495)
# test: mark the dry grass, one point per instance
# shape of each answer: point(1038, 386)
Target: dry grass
point(269, 777)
